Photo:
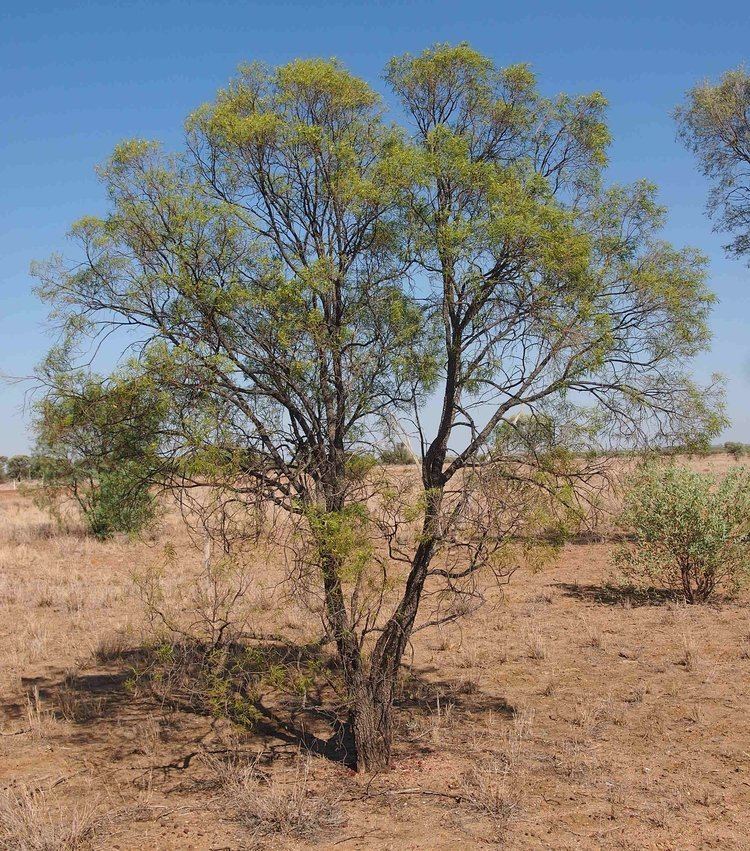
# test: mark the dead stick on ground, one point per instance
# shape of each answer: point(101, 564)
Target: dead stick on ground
point(358, 836)
point(418, 791)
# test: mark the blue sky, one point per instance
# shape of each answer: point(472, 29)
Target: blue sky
point(76, 77)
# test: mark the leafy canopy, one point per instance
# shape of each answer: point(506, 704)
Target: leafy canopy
point(306, 283)
point(714, 123)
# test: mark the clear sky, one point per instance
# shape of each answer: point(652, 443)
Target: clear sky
point(77, 77)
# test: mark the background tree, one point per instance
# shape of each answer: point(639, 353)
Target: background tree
point(18, 467)
point(97, 442)
point(714, 123)
point(304, 273)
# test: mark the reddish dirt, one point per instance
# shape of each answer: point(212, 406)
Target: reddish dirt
point(603, 719)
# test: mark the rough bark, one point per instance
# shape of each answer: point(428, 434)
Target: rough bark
point(372, 724)
point(373, 694)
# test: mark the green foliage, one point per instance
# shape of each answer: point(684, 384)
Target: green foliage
point(98, 442)
point(691, 532)
point(342, 538)
point(714, 123)
point(735, 449)
point(503, 178)
point(120, 501)
point(359, 465)
point(398, 454)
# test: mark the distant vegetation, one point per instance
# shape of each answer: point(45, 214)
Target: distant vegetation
point(21, 467)
point(398, 454)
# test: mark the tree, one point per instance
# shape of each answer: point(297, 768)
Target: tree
point(18, 467)
point(689, 531)
point(96, 442)
point(714, 123)
point(735, 449)
point(304, 273)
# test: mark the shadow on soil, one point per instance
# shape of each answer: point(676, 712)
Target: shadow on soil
point(104, 703)
point(617, 595)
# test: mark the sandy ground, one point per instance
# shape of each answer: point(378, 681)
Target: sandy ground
point(567, 714)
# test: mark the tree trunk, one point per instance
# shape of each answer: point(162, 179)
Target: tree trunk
point(372, 694)
point(372, 725)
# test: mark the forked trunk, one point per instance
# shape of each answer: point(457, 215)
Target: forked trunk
point(372, 694)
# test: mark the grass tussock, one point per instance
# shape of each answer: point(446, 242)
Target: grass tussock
point(271, 805)
point(29, 821)
point(492, 786)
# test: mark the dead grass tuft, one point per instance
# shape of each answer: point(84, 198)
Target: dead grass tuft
point(110, 648)
point(42, 721)
point(489, 787)
point(75, 707)
point(536, 646)
point(689, 658)
point(30, 822)
point(440, 718)
point(492, 786)
point(574, 757)
point(268, 805)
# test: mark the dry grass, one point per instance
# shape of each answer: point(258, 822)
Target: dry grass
point(41, 720)
point(489, 788)
point(438, 720)
point(689, 657)
point(29, 821)
point(111, 647)
point(275, 806)
point(571, 714)
point(493, 784)
point(535, 643)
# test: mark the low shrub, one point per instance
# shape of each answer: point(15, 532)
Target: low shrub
point(396, 455)
point(690, 532)
point(735, 449)
point(121, 502)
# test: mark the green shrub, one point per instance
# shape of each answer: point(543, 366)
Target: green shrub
point(98, 445)
point(690, 531)
point(120, 502)
point(735, 449)
point(110, 501)
point(398, 454)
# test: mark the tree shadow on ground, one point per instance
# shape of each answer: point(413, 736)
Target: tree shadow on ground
point(617, 595)
point(99, 701)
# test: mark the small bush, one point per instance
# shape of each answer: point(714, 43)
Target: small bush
point(120, 502)
point(736, 450)
point(98, 445)
point(691, 531)
point(398, 454)
point(110, 501)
